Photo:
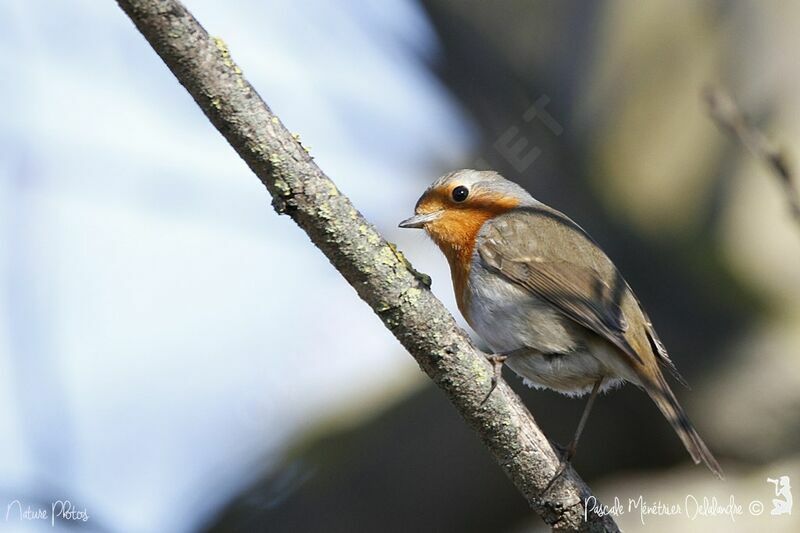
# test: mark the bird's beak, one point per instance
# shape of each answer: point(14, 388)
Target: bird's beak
point(419, 221)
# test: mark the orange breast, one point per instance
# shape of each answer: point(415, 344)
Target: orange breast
point(455, 233)
point(459, 272)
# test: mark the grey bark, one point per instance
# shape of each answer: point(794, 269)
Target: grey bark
point(380, 274)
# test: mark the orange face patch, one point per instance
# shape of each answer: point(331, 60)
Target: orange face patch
point(456, 229)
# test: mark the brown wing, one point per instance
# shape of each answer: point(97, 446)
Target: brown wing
point(567, 270)
point(546, 253)
point(661, 352)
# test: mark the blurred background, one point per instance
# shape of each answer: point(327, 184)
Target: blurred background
point(176, 357)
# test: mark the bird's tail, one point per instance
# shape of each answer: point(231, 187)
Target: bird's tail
point(665, 399)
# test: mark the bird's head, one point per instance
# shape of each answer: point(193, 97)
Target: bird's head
point(455, 206)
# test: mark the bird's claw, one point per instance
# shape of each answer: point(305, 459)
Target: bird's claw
point(567, 453)
point(497, 371)
point(562, 467)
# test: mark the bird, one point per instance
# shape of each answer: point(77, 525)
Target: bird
point(546, 299)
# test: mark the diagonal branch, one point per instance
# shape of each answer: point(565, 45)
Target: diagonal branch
point(726, 114)
point(375, 268)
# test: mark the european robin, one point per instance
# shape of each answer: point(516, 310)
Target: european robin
point(545, 298)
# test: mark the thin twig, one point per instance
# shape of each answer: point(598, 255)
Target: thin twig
point(375, 268)
point(726, 114)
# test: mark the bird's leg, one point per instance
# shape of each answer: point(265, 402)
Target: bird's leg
point(497, 361)
point(573, 445)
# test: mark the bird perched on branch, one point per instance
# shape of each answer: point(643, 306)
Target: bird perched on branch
point(545, 298)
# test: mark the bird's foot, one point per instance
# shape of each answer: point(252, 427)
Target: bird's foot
point(561, 469)
point(497, 361)
point(567, 453)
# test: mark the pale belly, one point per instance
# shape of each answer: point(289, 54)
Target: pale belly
point(550, 351)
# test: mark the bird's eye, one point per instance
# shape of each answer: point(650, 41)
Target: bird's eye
point(460, 193)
